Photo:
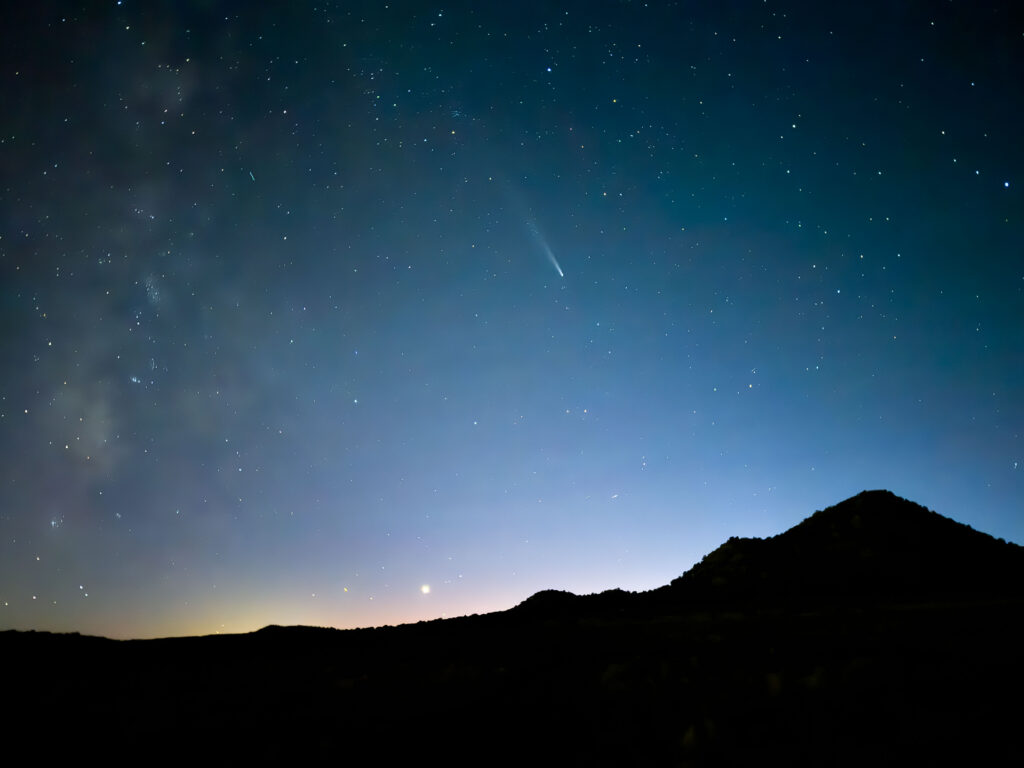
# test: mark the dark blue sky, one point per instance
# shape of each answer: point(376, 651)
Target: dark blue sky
point(309, 307)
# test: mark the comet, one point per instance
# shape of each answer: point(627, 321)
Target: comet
point(539, 238)
point(552, 259)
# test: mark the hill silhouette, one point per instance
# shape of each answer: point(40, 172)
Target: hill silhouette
point(875, 544)
point(875, 631)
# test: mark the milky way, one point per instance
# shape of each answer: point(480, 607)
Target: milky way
point(281, 343)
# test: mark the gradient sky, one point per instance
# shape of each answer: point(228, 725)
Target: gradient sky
point(285, 338)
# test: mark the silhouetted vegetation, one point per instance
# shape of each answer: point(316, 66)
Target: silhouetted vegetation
point(875, 632)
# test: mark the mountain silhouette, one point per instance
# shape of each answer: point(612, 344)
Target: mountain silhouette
point(873, 632)
point(875, 544)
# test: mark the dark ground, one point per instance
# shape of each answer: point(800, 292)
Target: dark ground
point(736, 663)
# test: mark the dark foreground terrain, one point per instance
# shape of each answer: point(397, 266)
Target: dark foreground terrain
point(874, 633)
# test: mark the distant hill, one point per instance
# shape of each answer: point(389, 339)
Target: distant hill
point(875, 545)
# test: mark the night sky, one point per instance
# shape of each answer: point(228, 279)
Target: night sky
point(362, 313)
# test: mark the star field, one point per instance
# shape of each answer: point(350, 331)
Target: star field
point(371, 312)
